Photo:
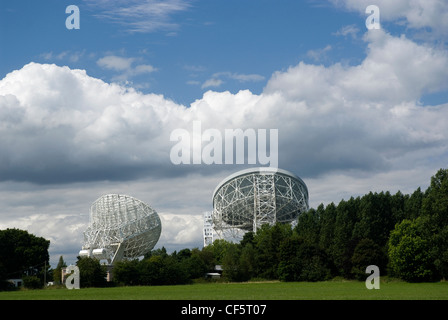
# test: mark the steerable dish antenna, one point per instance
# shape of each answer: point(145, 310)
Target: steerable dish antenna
point(121, 227)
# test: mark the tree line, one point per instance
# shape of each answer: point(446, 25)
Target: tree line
point(406, 236)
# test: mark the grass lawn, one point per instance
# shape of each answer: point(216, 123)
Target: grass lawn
point(327, 290)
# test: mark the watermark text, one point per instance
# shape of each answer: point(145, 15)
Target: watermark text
point(233, 146)
point(373, 281)
point(373, 21)
point(72, 281)
point(73, 21)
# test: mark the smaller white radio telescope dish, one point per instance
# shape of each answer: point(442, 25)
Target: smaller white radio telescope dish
point(121, 227)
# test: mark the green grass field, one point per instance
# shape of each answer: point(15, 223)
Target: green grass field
point(328, 290)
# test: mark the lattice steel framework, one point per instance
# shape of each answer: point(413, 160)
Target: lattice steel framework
point(120, 227)
point(250, 198)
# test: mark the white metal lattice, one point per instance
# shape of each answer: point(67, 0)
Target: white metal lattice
point(250, 198)
point(120, 227)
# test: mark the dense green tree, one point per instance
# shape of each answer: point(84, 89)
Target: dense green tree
point(162, 270)
point(173, 272)
point(327, 221)
point(267, 242)
point(308, 225)
point(397, 208)
point(435, 204)
point(375, 218)
point(57, 273)
point(182, 254)
point(343, 245)
point(247, 262)
point(157, 252)
point(290, 265)
point(219, 248)
point(231, 263)
point(91, 273)
point(409, 252)
point(302, 261)
point(248, 238)
point(32, 282)
point(22, 253)
point(207, 256)
point(439, 251)
point(435, 207)
point(196, 265)
point(126, 272)
point(366, 253)
point(413, 205)
point(3, 276)
point(315, 265)
point(150, 270)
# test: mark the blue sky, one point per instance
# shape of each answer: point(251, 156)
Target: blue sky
point(88, 112)
point(238, 43)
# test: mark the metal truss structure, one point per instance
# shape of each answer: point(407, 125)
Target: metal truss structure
point(120, 227)
point(250, 198)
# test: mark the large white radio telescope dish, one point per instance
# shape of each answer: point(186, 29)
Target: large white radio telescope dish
point(248, 199)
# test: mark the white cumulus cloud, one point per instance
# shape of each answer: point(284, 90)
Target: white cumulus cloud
point(125, 67)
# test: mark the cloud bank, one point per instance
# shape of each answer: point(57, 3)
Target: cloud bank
point(61, 126)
